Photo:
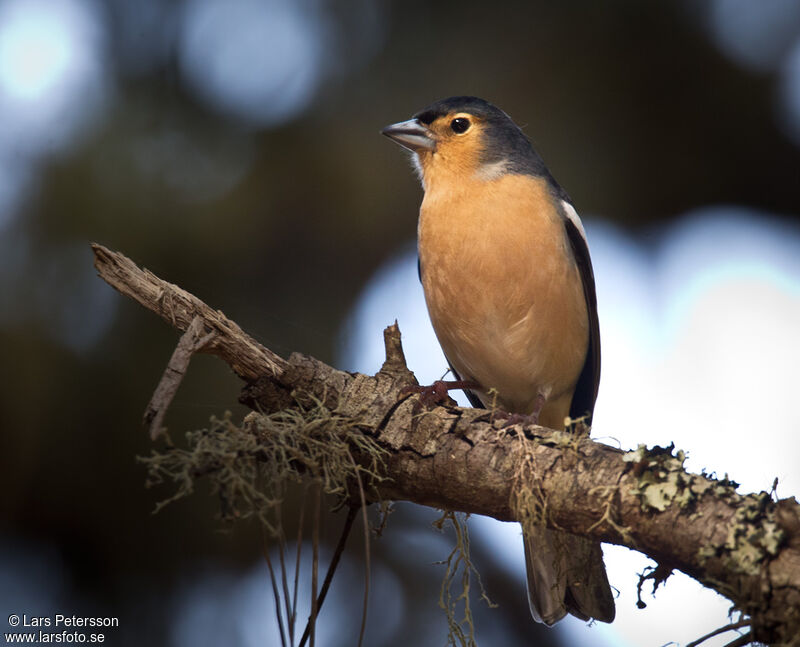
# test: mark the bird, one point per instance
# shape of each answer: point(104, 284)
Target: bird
point(509, 286)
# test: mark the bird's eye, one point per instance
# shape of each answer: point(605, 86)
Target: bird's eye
point(459, 125)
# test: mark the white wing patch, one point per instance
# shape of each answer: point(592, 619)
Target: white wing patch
point(492, 171)
point(573, 216)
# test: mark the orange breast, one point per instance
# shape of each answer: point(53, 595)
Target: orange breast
point(504, 295)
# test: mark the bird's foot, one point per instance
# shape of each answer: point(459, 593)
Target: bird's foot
point(511, 419)
point(436, 393)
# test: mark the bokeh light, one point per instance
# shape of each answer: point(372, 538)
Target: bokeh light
point(146, 34)
point(33, 577)
point(80, 310)
point(52, 77)
point(260, 61)
point(755, 34)
point(764, 37)
point(789, 94)
point(52, 86)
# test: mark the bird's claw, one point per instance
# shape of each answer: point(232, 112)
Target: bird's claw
point(436, 393)
point(511, 419)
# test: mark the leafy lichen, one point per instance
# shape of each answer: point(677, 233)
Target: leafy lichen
point(661, 481)
point(753, 536)
point(661, 478)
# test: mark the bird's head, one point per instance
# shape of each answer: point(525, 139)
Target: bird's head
point(464, 138)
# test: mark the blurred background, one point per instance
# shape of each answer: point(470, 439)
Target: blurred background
point(232, 147)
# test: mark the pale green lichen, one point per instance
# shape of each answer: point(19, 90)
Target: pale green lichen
point(753, 536)
point(560, 439)
point(661, 481)
point(250, 465)
point(661, 478)
point(461, 630)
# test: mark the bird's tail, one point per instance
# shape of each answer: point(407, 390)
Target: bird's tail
point(566, 574)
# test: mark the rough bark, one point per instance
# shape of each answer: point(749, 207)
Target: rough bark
point(746, 547)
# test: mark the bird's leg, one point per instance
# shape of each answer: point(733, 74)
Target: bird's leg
point(531, 418)
point(436, 393)
point(541, 398)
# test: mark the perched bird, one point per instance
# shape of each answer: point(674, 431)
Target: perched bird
point(509, 286)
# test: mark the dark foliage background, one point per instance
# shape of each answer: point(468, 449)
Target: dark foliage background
point(259, 182)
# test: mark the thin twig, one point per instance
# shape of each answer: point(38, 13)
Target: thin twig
point(248, 358)
point(741, 641)
point(275, 592)
point(312, 622)
point(293, 617)
point(366, 551)
point(717, 632)
point(348, 524)
point(281, 553)
point(192, 341)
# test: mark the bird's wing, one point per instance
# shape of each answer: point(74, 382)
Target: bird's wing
point(566, 572)
point(586, 390)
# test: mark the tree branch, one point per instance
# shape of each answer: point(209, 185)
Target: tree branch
point(746, 547)
point(177, 307)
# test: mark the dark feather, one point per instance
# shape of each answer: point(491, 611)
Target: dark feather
point(474, 400)
point(508, 142)
point(586, 390)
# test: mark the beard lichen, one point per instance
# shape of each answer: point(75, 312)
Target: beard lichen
point(461, 631)
point(527, 498)
point(250, 465)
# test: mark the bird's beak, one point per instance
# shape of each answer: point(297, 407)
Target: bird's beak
point(412, 135)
